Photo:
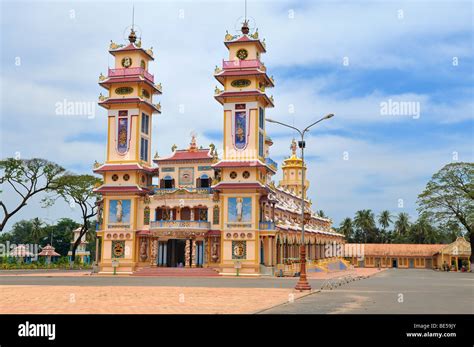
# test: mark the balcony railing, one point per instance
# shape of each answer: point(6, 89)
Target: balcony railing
point(131, 71)
point(180, 224)
point(242, 64)
point(266, 225)
point(161, 191)
point(271, 163)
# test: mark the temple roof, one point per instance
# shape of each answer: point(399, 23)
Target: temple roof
point(387, 249)
point(186, 154)
point(48, 251)
point(244, 39)
point(247, 72)
point(114, 48)
point(123, 167)
point(294, 160)
point(239, 94)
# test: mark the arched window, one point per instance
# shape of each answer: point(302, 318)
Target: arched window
point(167, 182)
point(203, 182)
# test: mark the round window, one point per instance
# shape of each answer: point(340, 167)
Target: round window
point(246, 174)
point(126, 177)
point(233, 174)
point(242, 54)
point(114, 177)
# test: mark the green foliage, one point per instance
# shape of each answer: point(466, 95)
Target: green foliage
point(27, 177)
point(23, 232)
point(449, 198)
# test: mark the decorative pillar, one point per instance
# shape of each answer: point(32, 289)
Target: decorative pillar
point(193, 253)
point(187, 253)
point(154, 252)
point(205, 245)
point(270, 251)
point(273, 212)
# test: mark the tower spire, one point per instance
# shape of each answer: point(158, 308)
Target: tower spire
point(133, 36)
point(245, 25)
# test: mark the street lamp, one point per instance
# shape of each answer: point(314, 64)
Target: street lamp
point(303, 281)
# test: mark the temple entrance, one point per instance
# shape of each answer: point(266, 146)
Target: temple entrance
point(175, 253)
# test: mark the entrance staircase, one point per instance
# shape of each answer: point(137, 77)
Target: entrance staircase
point(175, 272)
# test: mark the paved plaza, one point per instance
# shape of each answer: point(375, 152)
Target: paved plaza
point(393, 291)
point(389, 291)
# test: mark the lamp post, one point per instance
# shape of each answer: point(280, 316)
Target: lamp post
point(303, 281)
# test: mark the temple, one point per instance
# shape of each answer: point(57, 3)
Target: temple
point(192, 209)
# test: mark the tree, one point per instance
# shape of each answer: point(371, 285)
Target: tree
point(365, 223)
point(321, 214)
point(422, 231)
point(384, 219)
point(402, 226)
point(37, 230)
point(449, 196)
point(78, 190)
point(347, 228)
point(62, 234)
point(27, 178)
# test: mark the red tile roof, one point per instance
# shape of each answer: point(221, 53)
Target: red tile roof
point(387, 249)
point(245, 38)
point(130, 47)
point(48, 251)
point(221, 97)
point(184, 154)
point(124, 167)
point(137, 100)
point(251, 72)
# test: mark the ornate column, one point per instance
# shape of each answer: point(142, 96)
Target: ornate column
point(154, 252)
point(205, 245)
point(143, 250)
point(193, 253)
point(187, 253)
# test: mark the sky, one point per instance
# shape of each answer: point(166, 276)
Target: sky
point(360, 60)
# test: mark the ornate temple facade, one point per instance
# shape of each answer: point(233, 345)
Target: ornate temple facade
point(192, 208)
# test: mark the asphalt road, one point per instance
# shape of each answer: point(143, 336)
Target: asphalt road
point(393, 291)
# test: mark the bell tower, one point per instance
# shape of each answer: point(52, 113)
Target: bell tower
point(129, 103)
point(127, 171)
point(244, 170)
point(292, 170)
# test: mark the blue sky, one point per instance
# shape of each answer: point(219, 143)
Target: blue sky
point(397, 50)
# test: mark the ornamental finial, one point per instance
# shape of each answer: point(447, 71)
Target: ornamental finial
point(133, 36)
point(245, 27)
point(193, 144)
point(293, 147)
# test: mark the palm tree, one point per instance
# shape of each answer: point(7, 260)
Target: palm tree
point(365, 223)
point(36, 229)
point(347, 228)
point(384, 219)
point(321, 214)
point(402, 224)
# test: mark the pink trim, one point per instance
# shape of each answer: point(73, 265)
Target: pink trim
point(241, 64)
point(131, 71)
